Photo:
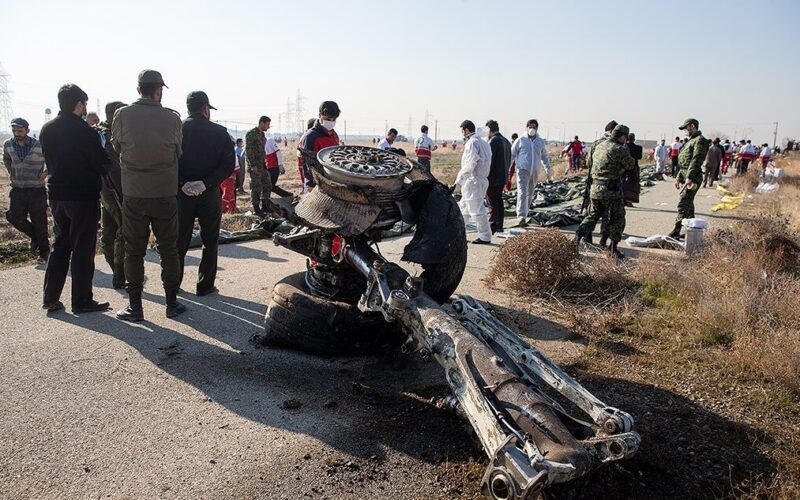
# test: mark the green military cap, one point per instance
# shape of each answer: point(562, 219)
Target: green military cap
point(198, 97)
point(689, 121)
point(151, 76)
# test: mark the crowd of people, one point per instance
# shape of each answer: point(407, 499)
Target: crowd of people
point(612, 182)
point(724, 155)
point(142, 171)
point(145, 170)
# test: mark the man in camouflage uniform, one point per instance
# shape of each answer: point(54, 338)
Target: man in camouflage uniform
point(112, 243)
point(260, 182)
point(690, 175)
point(587, 194)
point(608, 163)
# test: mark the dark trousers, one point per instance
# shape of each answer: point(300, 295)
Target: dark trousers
point(207, 210)
point(112, 243)
point(741, 166)
point(31, 202)
point(426, 164)
point(576, 162)
point(675, 166)
point(240, 175)
point(273, 177)
point(75, 226)
point(494, 197)
point(138, 216)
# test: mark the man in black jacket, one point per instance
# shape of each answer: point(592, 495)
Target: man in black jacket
point(76, 163)
point(208, 159)
point(498, 175)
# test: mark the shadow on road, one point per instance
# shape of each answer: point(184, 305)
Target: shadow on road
point(359, 406)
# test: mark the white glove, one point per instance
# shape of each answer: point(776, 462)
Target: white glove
point(199, 187)
point(187, 189)
point(193, 188)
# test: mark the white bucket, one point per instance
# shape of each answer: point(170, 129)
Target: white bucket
point(694, 239)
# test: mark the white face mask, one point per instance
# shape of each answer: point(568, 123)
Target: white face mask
point(329, 124)
point(531, 132)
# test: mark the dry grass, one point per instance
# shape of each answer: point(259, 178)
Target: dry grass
point(723, 325)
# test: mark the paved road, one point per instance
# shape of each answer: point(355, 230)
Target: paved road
point(91, 407)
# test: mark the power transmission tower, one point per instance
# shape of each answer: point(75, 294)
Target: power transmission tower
point(289, 114)
point(6, 111)
point(298, 105)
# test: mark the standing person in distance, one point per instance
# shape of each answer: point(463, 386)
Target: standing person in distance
point(260, 183)
point(76, 163)
point(319, 136)
point(498, 175)
point(148, 138)
point(424, 148)
point(240, 156)
point(690, 175)
point(387, 141)
point(208, 159)
point(473, 179)
point(528, 152)
point(24, 161)
point(112, 242)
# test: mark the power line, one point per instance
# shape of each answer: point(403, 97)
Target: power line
point(300, 110)
point(6, 111)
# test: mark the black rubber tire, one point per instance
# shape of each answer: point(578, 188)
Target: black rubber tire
point(441, 278)
point(296, 319)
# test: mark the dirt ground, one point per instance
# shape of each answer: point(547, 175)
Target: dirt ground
point(188, 408)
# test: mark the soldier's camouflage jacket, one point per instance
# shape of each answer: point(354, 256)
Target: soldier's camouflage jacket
point(691, 158)
point(609, 161)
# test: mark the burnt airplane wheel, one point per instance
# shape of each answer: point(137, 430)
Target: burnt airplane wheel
point(298, 320)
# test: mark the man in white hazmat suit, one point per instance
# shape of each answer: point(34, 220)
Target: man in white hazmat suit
point(660, 155)
point(474, 181)
point(528, 152)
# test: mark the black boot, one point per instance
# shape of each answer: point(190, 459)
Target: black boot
point(588, 239)
point(577, 241)
point(615, 251)
point(134, 311)
point(118, 281)
point(676, 232)
point(174, 307)
point(603, 240)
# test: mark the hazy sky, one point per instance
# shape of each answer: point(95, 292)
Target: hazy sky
point(573, 65)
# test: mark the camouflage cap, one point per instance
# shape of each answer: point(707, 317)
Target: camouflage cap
point(198, 97)
point(688, 122)
point(151, 76)
point(620, 130)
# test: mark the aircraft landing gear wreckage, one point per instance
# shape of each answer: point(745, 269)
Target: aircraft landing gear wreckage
point(352, 300)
